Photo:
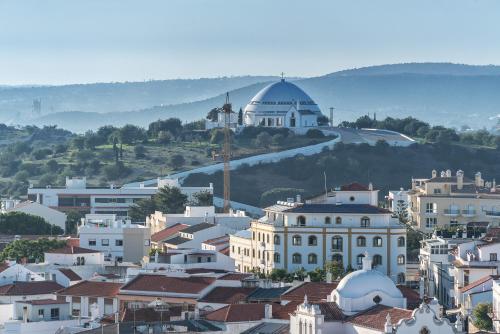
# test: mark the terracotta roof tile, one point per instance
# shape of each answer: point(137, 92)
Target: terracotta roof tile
point(4, 266)
point(227, 295)
point(412, 296)
point(478, 282)
point(331, 311)
point(92, 288)
point(234, 277)
point(375, 317)
point(70, 274)
point(30, 288)
point(240, 312)
point(165, 284)
point(316, 291)
point(168, 232)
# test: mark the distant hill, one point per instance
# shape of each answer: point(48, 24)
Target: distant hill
point(16, 102)
point(447, 94)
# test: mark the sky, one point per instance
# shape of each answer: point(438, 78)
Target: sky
point(83, 41)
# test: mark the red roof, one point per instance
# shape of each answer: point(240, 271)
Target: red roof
point(4, 266)
point(234, 277)
point(225, 251)
point(478, 282)
point(376, 316)
point(316, 291)
point(72, 250)
point(227, 295)
point(165, 284)
point(44, 302)
point(30, 288)
point(412, 296)
point(168, 232)
point(92, 289)
point(70, 274)
point(240, 313)
point(355, 186)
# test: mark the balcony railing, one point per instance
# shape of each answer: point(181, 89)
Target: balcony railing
point(451, 212)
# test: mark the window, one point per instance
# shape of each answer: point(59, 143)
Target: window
point(239, 250)
point(312, 258)
point(104, 242)
point(338, 220)
point(365, 222)
point(92, 242)
point(312, 241)
point(232, 249)
point(119, 259)
point(147, 242)
point(118, 242)
point(437, 191)
point(296, 240)
point(259, 236)
point(337, 243)
point(296, 258)
point(54, 313)
point(352, 198)
point(267, 238)
point(276, 239)
point(199, 259)
point(328, 220)
point(493, 256)
point(359, 259)
point(41, 313)
point(377, 242)
point(430, 207)
point(401, 278)
point(276, 257)
point(401, 242)
point(337, 258)
point(301, 221)
point(253, 235)
point(430, 222)
point(377, 260)
point(466, 277)
point(401, 259)
point(361, 242)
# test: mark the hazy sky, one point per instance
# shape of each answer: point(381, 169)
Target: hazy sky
point(79, 41)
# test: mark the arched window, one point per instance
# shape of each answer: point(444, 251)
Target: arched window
point(301, 221)
point(424, 330)
point(312, 258)
point(296, 258)
point(338, 220)
point(401, 259)
point(259, 236)
point(401, 278)
point(82, 261)
point(359, 259)
point(377, 260)
point(296, 240)
point(337, 243)
point(401, 241)
point(328, 220)
point(312, 240)
point(276, 257)
point(361, 242)
point(337, 258)
point(300, 327)
point(276, 239)
point(78, 261)
point(253, 235)
point(377, 242)
point(365, 222)
point(267, 238)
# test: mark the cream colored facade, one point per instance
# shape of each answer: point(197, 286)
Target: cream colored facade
point(294, 235)
point(452, 200)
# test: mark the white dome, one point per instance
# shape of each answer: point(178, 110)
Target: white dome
point(361, 283)
point(279, 97)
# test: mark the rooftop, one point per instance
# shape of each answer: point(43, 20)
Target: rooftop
point(168, 232)
point(198, 227)
point(315, 291)
point(165, 284)
point(70, 274)
point(72, 250)
point(92, 289)
point(478, 282)
point(177, 241)
point(355, 186)
point(376, 317)
point(338, 208)
point(30, 288)
point(227, 295)
point(266, 294)
point(43, 302)
point(239, 313)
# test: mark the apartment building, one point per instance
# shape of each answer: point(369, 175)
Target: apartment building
point(445, 200)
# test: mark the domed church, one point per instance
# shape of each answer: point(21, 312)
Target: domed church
point(282, 104)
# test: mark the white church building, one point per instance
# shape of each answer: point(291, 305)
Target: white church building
point(282, 104)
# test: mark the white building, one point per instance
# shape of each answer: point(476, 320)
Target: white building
point(340, 227)
point(496, 305)
point(74, 256)
point(398, 200)
point(366, 301)
point(76, 195)
point(11, 272)
point(51, 216)
point(118, 240)
point(282, 104)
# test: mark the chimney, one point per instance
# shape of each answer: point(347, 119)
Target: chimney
point(478, 180)
point(460, 179)
point(116, 317)
point(443, 173)
point(388, 324)
point(434, 173)
point(268, 311)
point(370, 186)
point(448, 173)
point(299, 198)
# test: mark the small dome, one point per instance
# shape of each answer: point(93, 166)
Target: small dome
point(363, 282)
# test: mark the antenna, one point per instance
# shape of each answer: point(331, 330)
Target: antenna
point(326, 189)
point(227, 153)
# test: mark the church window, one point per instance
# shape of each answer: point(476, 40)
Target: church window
point(276, 257)
point(365, 222)
point(296, 240)
point(401, 241)
point(276, 239)
point(424, 330)
point(338, 220)
point(328, 220)
point(377, 299)
point(296, 258)
point(301, 221)
point(267, 238)
point(377, 242)
point(359, 259)
point(312, 258)
point(401, 259)
point(361, 242)
point(337, 243)
point(377, 260)
point(312, 241)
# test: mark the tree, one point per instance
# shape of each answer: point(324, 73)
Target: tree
point(177, 161)
point(481, 318)
point(31, 250)
point(203, 198)
point(314, 133)
point(323, 120)
point(170, 200)
point(24, 224)
point(78, 143)
point(213, 114)
point(131, 133)
point(116, 171)
point(278, 139)
point(72, 219)
point(142, 209)
point(335, 268)
point(263, 140)
point(240, 117)
point(140, 151)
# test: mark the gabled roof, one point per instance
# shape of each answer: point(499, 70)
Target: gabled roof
point(375, 317)
point(478, 282)
point(70, 274)
point(234, 277)
point(265, 294)
point(198, 227)
point(30, 288)
point(176, 241)
point(92, 289)
point(269, 328)
point(227, 295)
point(315, 291)
point(337, 208)
point(238, 313)
point(168, 232)
point(72, 250)
point(165, 284)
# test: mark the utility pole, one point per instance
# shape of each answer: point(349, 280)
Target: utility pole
point(227, 153)
point(331, 116)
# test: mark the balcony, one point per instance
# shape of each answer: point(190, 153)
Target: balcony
point(451, 212)
point(492, 213)
point(469, 213)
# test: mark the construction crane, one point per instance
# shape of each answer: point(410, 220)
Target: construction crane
point(227, 153)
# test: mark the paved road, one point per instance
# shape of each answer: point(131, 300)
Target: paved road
point(346, 135)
